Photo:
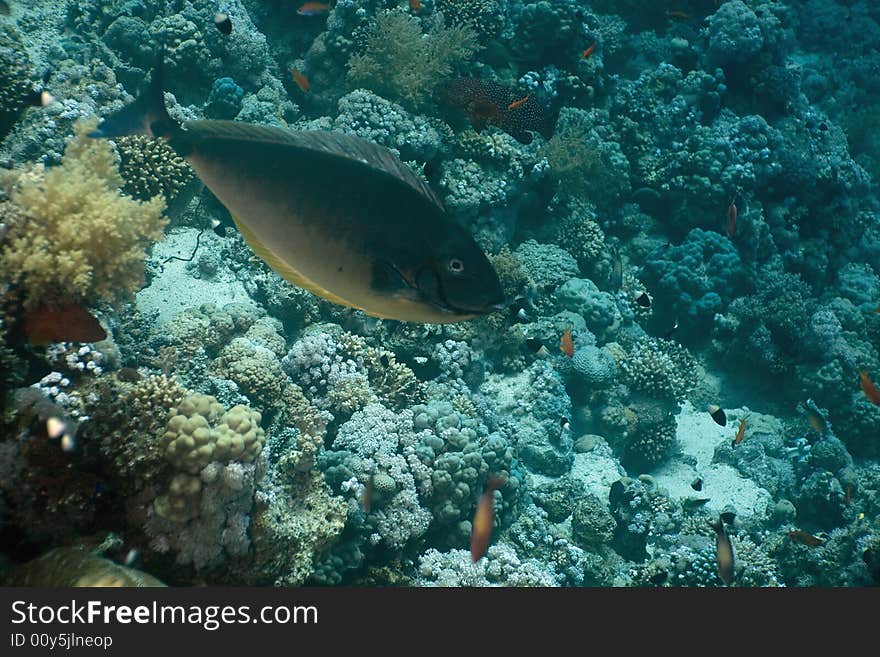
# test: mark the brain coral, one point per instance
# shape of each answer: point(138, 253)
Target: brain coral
point(80, 238)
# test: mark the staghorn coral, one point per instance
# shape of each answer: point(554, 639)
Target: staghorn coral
point(81, 239)
point(401, 61)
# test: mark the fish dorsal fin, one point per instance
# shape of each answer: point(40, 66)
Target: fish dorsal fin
point(336, 144)
point(287, 272)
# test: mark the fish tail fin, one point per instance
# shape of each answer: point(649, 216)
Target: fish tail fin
point(146, 115)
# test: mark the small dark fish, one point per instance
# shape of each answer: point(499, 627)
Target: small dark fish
point(643, 299)
point(97, 491)
point(564, 424)
point(68, 323)
point(367, 495)
point(384, 360)
point(800, 536)
point(63, 430)
point(128, 374)
point(723, 552)
point(40, 98)
point(732, 214)
point(484, 518)
point(659, 578)
point(678, 15)
point(691, 503)
point(616, 279)
point(717, 414)
point(616, 493)
point(848, 496)
point(697, 484)
point(728, 517)
point(671, 331)
point(536, 346)
point(223, 23)
point(218, 228)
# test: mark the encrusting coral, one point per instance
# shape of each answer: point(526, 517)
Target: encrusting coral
point(80, 238)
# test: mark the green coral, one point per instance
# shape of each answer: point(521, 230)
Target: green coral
point(405, 64)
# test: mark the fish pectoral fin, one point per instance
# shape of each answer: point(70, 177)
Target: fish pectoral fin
point(388, 278)
point(284, 269)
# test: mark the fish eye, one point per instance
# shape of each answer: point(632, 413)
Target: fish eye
point(456, 266)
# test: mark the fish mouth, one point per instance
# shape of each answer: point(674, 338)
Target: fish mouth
point(483, 309)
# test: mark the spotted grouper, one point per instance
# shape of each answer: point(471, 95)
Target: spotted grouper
point(333, 213)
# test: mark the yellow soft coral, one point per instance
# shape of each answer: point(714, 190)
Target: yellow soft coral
point(81, 239)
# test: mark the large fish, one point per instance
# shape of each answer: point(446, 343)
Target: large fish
point(335, 214)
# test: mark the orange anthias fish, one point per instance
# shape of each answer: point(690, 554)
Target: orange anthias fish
point(800, 536)
point(732, 214)
point(415, 5)
point(589, 50)
point(301, 80)
point(313, 9)
point(869, 388)
point(69, 323)
point(816, 420)
point(740, 433)
point(518, 103)
point(484, 518)
point(566, 344)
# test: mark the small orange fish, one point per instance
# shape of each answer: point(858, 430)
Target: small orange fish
point(415, 5)
point(740, 433)
point(518, 103)
point(301, 80)
point(732, 214)
point(678, 15)
point(484, 518)
point(800, 536)
point(566, 344)
point(817, 422)
point(589, 50)
point(869, 388)
point(313, 9)
point(70, 323)
point(847, 498)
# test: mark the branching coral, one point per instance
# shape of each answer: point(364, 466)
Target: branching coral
point(81, 239)
point(151, 168)
point(401, 61)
